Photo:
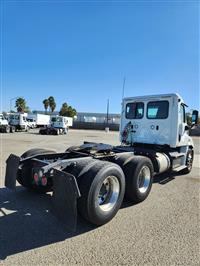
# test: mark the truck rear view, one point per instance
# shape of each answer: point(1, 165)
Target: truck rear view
point(94, 178)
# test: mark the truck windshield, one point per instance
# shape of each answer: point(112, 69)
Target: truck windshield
point(134, 110)
point(157, 110)
point(16, 117)
point(53, 119)
point(56, 119)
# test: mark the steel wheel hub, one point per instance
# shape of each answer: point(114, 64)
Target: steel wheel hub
point(108, 193)
point(144, 178)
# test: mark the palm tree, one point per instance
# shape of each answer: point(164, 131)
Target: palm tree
point(20, 104)
point(67, 110)
point(52, 103)
point(46, 104)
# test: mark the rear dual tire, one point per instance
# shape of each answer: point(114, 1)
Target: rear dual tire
point(24, 175)
point(138, 171)
point(102, 186)
point(12, 129)
point(7, 129)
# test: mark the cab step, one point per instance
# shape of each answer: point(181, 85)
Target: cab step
point(176, 154)
point(179, 168)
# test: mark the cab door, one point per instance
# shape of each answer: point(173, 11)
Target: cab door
point(183, 129)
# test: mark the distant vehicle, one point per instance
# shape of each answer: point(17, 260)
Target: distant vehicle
point(19, 121)
point(93, 178)
point(40, 119)
point(59, 125)
point(31, 122)
point(4, 125)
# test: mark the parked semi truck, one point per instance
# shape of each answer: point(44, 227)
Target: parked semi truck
point(19, 121)
point(94, 178)
point(58, 125)
point(4, 125)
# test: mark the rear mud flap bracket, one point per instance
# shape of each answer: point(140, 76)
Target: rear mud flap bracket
point(65, 194)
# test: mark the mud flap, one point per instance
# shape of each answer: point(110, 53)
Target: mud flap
point(65, 194)
point(12, 164)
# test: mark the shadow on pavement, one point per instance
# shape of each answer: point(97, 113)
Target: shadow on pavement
point(30, 224)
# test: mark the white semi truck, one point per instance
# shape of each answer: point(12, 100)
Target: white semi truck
point(4, 125)
point(58, 125)
point(19, 121)
point(94, 178)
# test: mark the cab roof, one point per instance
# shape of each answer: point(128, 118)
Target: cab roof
point(153, 97)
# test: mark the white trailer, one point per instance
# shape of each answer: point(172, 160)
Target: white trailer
point(40, 119)
point(93, 178)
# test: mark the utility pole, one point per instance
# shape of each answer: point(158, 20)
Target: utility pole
point(124, 81)
point(107, 111)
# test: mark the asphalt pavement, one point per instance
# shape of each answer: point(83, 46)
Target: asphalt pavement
point(162, 230)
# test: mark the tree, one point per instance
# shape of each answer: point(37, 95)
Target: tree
point(52, 103)
point(67, 110)
point(46, 104)
point(20, 104)
point(27, 109)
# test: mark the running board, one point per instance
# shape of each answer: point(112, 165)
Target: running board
point(179, 168)
point(175, 154)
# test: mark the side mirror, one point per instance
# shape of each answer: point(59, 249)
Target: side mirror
point(195, 115)
point(187, 127)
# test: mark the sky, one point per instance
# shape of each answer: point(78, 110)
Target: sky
point(80, 51)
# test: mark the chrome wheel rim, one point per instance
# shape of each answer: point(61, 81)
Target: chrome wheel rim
point(108, 193)
point(144, 179)
point(189, 161)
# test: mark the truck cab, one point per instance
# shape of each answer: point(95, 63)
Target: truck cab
point(3, 120)
point(19, 121)
point(61, 122)
point(156, 120)
point(32, 122)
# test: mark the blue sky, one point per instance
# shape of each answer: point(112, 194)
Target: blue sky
point(79, 51)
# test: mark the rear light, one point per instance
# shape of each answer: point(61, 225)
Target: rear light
point(44, 180)
point(36, 178)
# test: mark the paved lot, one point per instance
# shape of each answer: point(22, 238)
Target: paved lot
point(163, 230)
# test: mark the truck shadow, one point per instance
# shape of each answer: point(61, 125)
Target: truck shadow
point(160, 179)
point(26, 220)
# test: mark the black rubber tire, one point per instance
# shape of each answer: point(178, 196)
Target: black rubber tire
point(188, 169)
point(57, 132)
point(7, 129)
point(24, 175)
point(90, 175)
point(131, 166)
point(43, 131)
point(12, 129)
